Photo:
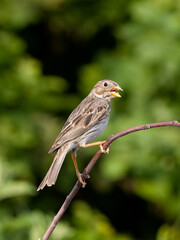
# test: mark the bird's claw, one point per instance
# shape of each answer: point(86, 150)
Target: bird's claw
point(81, 180)
point(104, 150)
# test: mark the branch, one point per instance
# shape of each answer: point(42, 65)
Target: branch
point(91, 164)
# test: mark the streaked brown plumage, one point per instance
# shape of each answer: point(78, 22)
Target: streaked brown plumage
point(83, 125)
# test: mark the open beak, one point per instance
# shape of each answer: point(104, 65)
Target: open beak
point(114, 91)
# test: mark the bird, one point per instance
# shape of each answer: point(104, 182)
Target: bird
point(84, 124)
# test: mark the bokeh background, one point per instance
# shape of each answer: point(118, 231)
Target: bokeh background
point(52, 52)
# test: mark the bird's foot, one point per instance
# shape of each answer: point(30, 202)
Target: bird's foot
point(79, 175)
point(100, 143)
point(102, 149)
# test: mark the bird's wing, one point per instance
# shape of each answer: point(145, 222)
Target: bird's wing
point(86, 115)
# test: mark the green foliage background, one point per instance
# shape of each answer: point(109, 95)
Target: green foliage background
point(51, 54)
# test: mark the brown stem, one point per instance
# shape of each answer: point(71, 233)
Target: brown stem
point(91, 164)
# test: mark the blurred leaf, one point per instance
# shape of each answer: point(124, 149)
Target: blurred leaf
point(168, 233)
point(16, 188)
point(102, 228)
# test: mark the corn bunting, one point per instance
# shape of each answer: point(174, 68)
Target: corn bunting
point(83, 125)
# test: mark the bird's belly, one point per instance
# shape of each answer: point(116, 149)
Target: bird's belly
point(94, 132)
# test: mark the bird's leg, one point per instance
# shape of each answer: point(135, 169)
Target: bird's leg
point(77, 171)
point(100, 143)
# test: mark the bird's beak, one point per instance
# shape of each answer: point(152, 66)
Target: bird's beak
point(114, 91)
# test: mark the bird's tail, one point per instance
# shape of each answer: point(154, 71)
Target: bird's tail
point(53, 171)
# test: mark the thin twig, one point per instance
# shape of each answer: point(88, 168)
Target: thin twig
point(91, 164)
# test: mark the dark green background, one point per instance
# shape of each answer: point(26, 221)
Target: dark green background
point(52, 52)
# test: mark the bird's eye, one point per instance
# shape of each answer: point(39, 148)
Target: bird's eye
point(105, 84)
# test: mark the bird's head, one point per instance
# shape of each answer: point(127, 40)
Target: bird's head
point(106, 89)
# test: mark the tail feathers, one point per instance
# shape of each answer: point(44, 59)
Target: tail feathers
point(53, 171)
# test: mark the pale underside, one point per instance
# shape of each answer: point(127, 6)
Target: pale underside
point(84, 124)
